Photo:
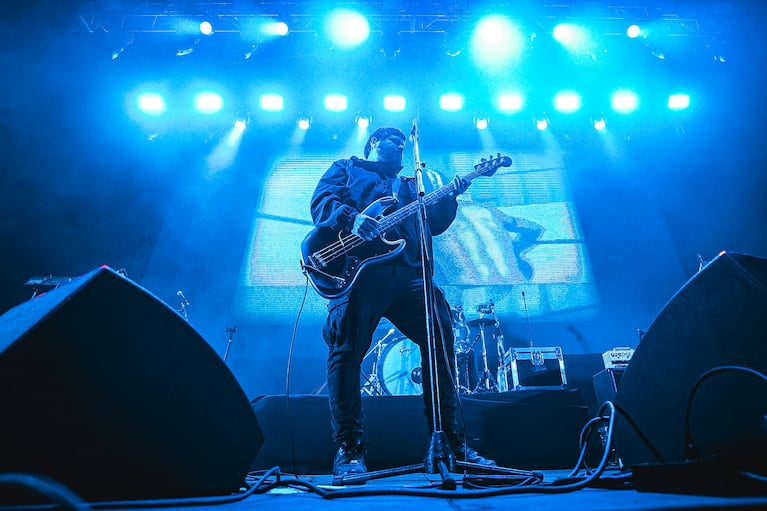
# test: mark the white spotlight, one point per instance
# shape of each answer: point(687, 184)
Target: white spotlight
point(633, 31)
point(481, 122)
point(678, 101)
point(347, 28)
point(336, 102)
point(394, 103)
point(304, 121)
point(206, 28)
point(363, 121)
point(599, 124)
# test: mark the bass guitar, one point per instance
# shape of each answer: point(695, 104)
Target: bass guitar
point(333, 259)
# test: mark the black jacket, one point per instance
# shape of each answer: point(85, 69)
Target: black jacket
point(350, 185)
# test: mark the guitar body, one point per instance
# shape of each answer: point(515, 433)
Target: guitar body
point(333, 278)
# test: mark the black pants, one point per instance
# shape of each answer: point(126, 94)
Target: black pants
point(396, 293)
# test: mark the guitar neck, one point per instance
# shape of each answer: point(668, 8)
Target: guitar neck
point(401, 214)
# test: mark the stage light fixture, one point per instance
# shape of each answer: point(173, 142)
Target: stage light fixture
point(346, 28)
point(454, 42)
point(275, 28)
point(206, 28)
point(633, 31)
point(394, 103)
point(185, 50)
point(567, 102)
point(390, 43)
point(510, 103)
point(363, 120)
point(336, 102)
point(451, 102)
point(678, 101)
point(577, 39)
point(304, 121)
point(599, 123)
point(271, 102)
point(624, 101)
point(208, 102)
point(496, 41)
point(541, 122)
point(481, 122)
point(151, 103)
point(569, 34)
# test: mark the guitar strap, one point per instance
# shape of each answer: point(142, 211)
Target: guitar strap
point(395, 187)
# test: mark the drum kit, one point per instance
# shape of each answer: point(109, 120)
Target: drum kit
point(395, 361)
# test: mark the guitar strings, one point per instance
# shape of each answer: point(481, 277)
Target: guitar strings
point(351, 241)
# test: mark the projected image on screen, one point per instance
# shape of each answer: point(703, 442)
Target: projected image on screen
point(515, 241)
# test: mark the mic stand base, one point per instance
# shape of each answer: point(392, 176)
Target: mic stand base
point(439, 459)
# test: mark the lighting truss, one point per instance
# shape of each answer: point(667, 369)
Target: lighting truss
point(609, 18)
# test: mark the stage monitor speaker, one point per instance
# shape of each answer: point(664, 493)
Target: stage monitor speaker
point(718, 318)
point(109, 391)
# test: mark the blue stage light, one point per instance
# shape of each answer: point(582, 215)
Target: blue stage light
point(451, 102)
point(510, 103)
point(394, 103)
point(208, 102)
point(206, 28)
point(151, 103)
point(347, 28)
point(275, 28)
point(678, 101)
point(496, 41)
point(624, 101)
point(567, 102)
point(336, 102)
point(633, 31)
point(271, 102)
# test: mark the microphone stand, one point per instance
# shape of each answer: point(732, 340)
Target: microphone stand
point(439, 457)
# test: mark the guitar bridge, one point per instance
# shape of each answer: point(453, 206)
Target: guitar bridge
point(316, 261)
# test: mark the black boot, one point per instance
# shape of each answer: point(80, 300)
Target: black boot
point(465, 453)
point(349, 460)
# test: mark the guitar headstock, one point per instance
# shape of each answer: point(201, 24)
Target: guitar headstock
point(488, 167)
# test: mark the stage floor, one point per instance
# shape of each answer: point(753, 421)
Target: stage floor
point(418, 490)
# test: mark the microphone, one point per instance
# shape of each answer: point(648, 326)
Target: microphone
point(184, 301)
point(414, 131)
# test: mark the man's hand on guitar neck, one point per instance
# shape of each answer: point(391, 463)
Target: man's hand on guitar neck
point(460, 184)
point(366, 227)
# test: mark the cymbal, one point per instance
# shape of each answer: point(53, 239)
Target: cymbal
point(481, 322)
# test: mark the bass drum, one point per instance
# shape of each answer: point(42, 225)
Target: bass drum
point(399, 371)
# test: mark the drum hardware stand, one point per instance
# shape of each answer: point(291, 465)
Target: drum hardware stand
point(439, 457)
point(462, 389)
point(231, 331)
point(460, 319)
point(486, 381)
point(502, 380)
point(372, 385)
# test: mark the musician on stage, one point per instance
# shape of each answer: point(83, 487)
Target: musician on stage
point(391, 288)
